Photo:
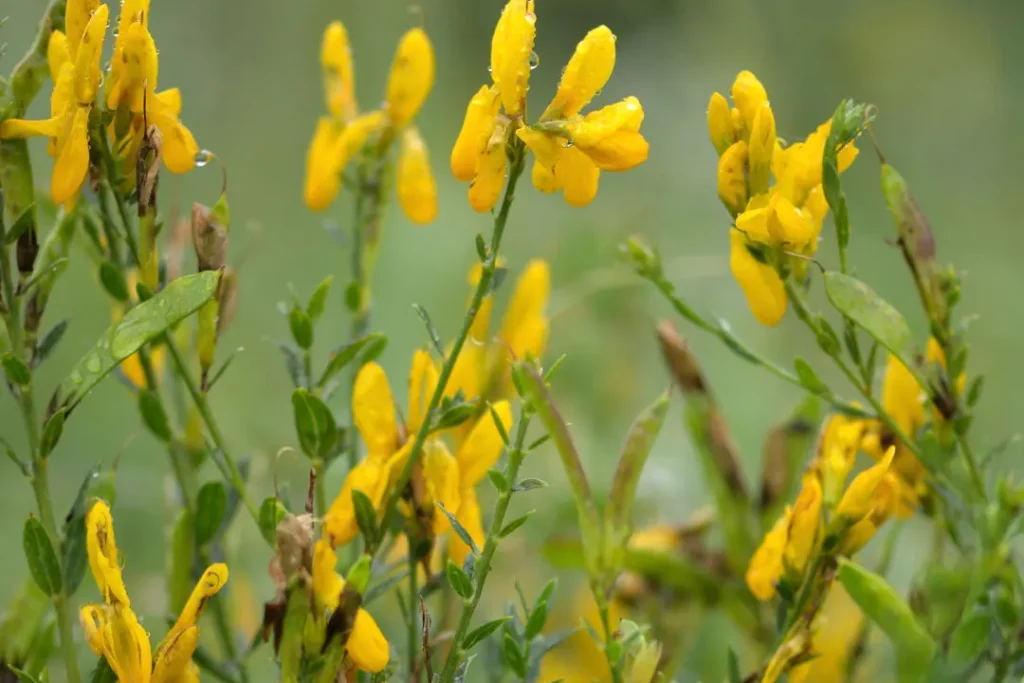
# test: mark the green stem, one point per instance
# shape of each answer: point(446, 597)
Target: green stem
point(482, 288)
point(320, 491)
point(609, 634)
point(972, 465)
point(483, 565)
point(414, 610)
point(358, 317)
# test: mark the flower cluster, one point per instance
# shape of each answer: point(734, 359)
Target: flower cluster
point(570, 149)
point(113, 631)
point(130, 101)
point(772, 221)
point(342, 135)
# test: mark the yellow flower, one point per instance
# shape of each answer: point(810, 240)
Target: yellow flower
point(860, 498)
point(417, 189)
point(835, 635)
point(804, 521)
point(339, 77)
point(732, 177)
point(766, 565)
point(511, 52)
point(840, 440)
point(369, 477)
point(113, 631)
point(749, 95)
point(886, 503)
point(571, 150)
point(762, 146)
point(580, 658)
point(412, 76)
point(74, 63)
point(720, 125)
point(131, 93)
point(761, 284)
point(366, 645)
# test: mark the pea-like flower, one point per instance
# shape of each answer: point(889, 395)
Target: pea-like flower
point(766, 565)
point(113, 631)
point(860, 497)
point(341, 135)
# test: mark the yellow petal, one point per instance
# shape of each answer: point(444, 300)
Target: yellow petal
point(578, 176)
point(511, 51)
point(93, 618)
point(748, 94)
point(859, 499)
point(469, 517)
point(373, 409)
point(547, 150)
point(887, 501)
point(620, 151)
point(367, 647)
point(483, 446)
point(327, 584)
point(356, 133)
point(58, 53)
point(789, 226)
point(765, 568)
point(490, 172)
point(412, 76)
point(477, 127)
point(626, 115)
point(87, 58)
point(126, 645)
point(732, 177)
point(132, 369)
point(761, 148)
point(76, 18)
point(170, 101)
point(441, 474)
point(422, 384)
point(339, 79)
point(104, 560)
point(370, 477)
point(209, 584)
point(720, 123)
point(23, 128)
point(174, 656)
point(586, 73)
point(417, 189)
point(804, 523)
point(524, 328)
point(766, 295)
point(902, 397)
point(179, 147)
point(323, 177)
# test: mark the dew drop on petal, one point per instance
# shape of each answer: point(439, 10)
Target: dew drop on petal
point(203, 158)
point(534, 61)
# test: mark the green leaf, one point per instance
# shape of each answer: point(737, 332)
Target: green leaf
point(366, 516)
point(529, 484)
point(301, 327)
point(16, 370)
point(141, 325)
point(271, 514)
point(734, 667)
point(458, 580)
point(346, 354)
point(210, 506)
point(72, 545)
point(318, 300)
point(498, 425)
point(48, 343)
point(459, 530)
point(970, 639)
point(538, 615)
point(915, 648)
point(435, 337)
point(512, 655)
point(20, 225)
point(52, 431)
point(113, 282)
point(103, 673)
point(498, 480)
point(353, 296)
point(514, 524)
point(457, 413)
point(877, 317)
point(482, 632)
point(305, 423)
point(154, 416)
point(808, 377)
point(42, 560)
point(24, 676)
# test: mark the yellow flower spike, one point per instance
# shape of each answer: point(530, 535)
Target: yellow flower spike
point(327, 583)
point(370, 477)
point(126, 645)
point(748, 94)
point(412, 76)
point(441, 475)
point(548, 150)
point(76, 17)
point(58, 53)
point(373, 410)
point(511, 52)
point(491, 168)
point(417, 189)
point(483, 446)
point(732, 177)
point(761, 148)
point(422, 384)
point(765, 568)
point(323, 177)
point(803, 525)
point(469, 517)
point(887, 501)
point(339, 79)
point(477, 128)
point(859, 499)
point(524, 329)
point(765, 292)
point(173, 660)
point(720, 124)
point(367, 647)
point(578, 177)
point(586, 73)
point(104, 560)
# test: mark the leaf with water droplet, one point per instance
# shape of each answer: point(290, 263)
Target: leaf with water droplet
point(141, 325)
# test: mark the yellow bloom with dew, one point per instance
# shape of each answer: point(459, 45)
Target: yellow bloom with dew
point(366, 646)
point(511, 54)
point(411, 78)
point(859, 499)
point(113, 631)
point(804, 522)
point(74, 63)
point(571, 150)
point(417, 189)
point(766, 565)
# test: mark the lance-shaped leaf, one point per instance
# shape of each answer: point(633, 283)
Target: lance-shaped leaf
point(639, 441)
point(42, 560)
point(875, 315)
point(141, 325)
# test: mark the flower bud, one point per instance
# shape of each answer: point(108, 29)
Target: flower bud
point(761, 147)
point(209, 237)
point(804, 523)
point(511, 52)
point(859, 499)
point(412, 76)
point(417, 189)
point(477, 127)
point(720, 125)
point(732, 177)
point(749, 95)
point(586, 73)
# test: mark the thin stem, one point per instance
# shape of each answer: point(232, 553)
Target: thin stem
point(482, 288)
point(602, 605)
point(414, 610)
point(358, 319)
point(320, 490)
point(972, 465)
point(483, 565)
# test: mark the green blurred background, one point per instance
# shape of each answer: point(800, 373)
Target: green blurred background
point(944, 75)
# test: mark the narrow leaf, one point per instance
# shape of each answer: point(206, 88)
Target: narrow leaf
point(271, 514)
point(211, 503)
point(509, 528)
point(345, 355)
point(808, 377)
point(20, 225)
point(366, 516)
point(16, 370)
point(318, 300)
point(458, 580)
point(113, 281)
point(877, 317)
point(154, 416)
point(529, 484)
point(460, 530)
point(52, 431)
point(482, 632)
point(42, 560)
point(48, 343)
point(435, 337)
point(301, 327)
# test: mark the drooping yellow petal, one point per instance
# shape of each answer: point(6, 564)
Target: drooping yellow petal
point(748, 94)
point(804, 522)
point(72, 163)
point(469, 517)
point(76, 18)
point(417, 189)
point(209, 584)
point(732, 177)
point(765, 292)
point(860, 498)
point(511, 52)
point(370, 477)
point(174, 656)
point(327, 583)
point(620, 151)
point(356, 133)
point(24, 128)
point(169, 101)
point(58, 53)
point(367, 647)
point(483, 446)
point(491, 169)
point(766, 567)
point(179, 147)
point(87, 57)
point(788, 226)
point(93, 619)
point(547, 151)
point(441, 476)
point(412, 76)
point(126, 645)
point(104, 559)
point(525, 326)
point(339, 79)
point(720, 127)
point(373, 409)
point(477, 128)
point(586, 73)
point(323, 177)
point(422, 384)
point(578, 176)
point(626, 115)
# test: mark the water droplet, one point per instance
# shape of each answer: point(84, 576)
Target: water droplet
point(93, 364)
point(569, 142)
point(76, 377)
point(534, 61)
point(203, 158)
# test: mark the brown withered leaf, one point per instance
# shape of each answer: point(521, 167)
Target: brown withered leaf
point(209, 238)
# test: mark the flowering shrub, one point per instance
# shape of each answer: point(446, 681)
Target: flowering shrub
point(780, 562)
